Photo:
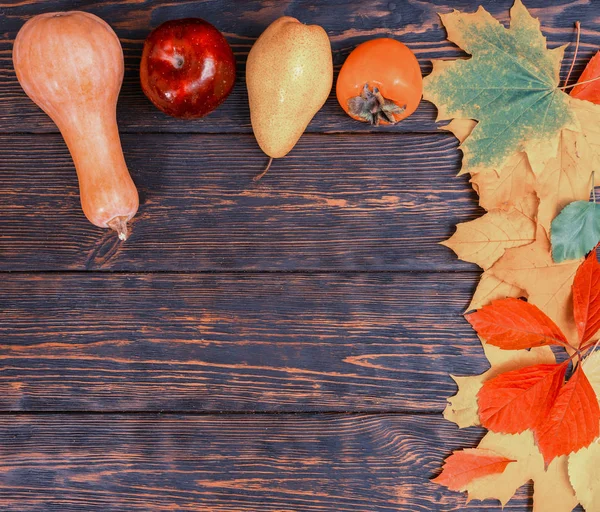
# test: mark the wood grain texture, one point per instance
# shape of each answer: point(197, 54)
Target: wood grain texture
point(234, 342)
point(348, 23)
point(244, 463)
point(333, 204)
point(373, 325)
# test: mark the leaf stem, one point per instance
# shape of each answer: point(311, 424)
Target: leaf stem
point(588, 346)
point(578, 83)
point(594, 348)
point(574, 354)
point(561, 343)
point(578, 28)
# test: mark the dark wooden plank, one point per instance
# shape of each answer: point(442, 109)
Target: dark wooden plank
point(234, 342)
point(266, 463)
point(348, 23)
point(337, 202)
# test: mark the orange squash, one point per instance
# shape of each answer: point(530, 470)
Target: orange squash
point(71, 65)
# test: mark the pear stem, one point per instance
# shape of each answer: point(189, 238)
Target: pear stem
point(259, 176)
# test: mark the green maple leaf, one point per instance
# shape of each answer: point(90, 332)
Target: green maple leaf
point(509, 85)
point(575, 231)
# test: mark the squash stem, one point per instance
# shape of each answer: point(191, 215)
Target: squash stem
point(119, 224)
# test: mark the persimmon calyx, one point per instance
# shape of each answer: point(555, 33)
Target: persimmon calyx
point(373, 107)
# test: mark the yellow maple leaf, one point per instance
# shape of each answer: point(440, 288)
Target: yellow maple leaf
point(484, 240)
point(591, 368)
point(587, 115)
point(461, 129)
point(530, 150)
point(547, 284)
point(512, 186)
point(567, 177)
point(585, 477)
point(552, 490)
point(462, 408)
point(491, 288)
point(583, 465)
point(509, 85)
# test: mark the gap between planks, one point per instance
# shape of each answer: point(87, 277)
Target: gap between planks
point(165, 413)
point(474, 271)
point(439, 130)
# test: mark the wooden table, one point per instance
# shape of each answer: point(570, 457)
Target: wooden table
point(281, 346)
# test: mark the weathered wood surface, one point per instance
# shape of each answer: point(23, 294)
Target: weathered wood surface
point(243, 463)
point(234, 342)
point(334, 203)
point(348, 23)
point(367, 321)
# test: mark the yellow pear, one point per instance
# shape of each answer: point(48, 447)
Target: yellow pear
point(289, 75)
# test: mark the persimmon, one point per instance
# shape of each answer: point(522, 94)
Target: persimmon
point(380, 82)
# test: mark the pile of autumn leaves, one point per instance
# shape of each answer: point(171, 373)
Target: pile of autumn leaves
point(530, 153)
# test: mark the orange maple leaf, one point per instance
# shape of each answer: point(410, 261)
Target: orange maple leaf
point(514, 324)
point(589, 91)
point(586, 298)
point(520, 399)
point(573, 421)
point(547, 284)
point(563, 417)
point(464, 466)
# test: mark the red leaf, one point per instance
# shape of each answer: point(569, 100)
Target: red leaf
point(591, 90)
point(574, 420)
point(464, 466)
point(586, 298)
point(514, 324)
point(520, 399)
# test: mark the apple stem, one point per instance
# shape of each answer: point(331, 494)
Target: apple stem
point(258, 177)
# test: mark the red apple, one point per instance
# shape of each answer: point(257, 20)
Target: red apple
point(187, 68)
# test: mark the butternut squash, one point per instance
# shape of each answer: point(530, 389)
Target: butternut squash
point(71, 65)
